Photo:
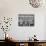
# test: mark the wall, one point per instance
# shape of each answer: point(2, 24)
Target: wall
point(11, 8)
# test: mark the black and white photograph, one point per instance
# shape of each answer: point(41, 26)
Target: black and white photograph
point(25, 20)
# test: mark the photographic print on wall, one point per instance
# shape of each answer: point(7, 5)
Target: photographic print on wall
point(26, 20)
